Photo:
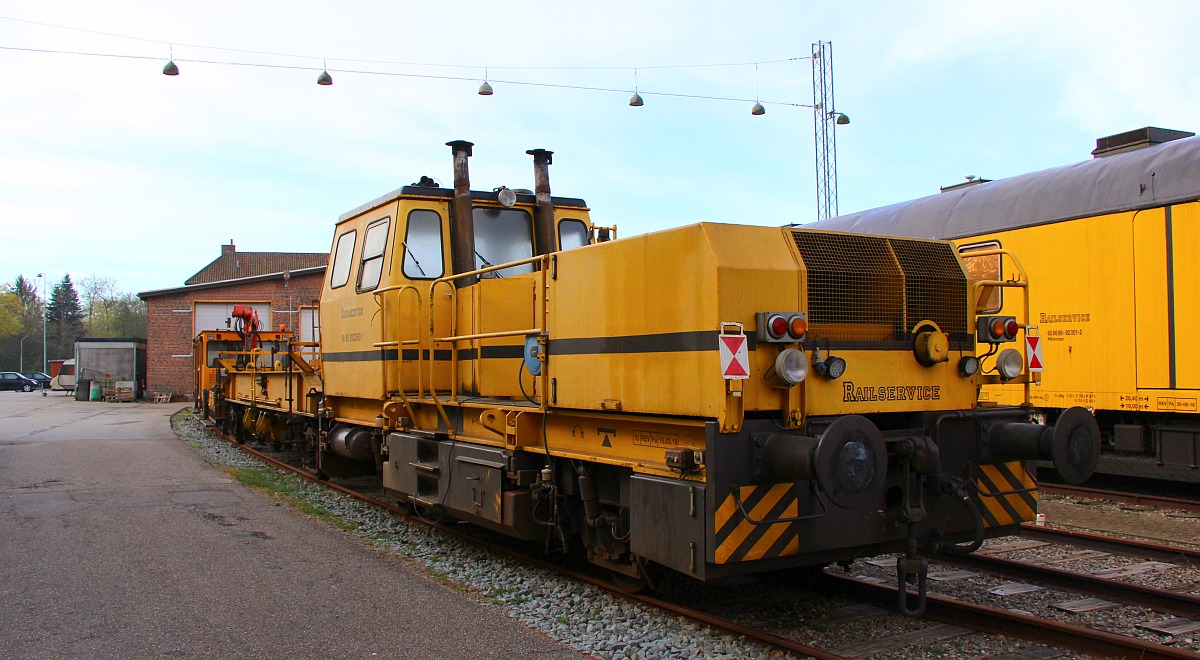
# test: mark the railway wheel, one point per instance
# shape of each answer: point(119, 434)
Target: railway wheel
point(628, 583)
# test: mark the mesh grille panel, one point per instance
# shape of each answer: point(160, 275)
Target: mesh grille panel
point(874, 288)
point(935, 287)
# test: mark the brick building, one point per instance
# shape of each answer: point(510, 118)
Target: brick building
point(281, 286)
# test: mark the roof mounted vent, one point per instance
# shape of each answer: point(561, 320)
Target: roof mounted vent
point(1137, 139)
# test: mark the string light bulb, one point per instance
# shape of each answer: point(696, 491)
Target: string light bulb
point(171, 69)
point(635, 100)
point(486, 88)
point(758, 110)
point(324, 78)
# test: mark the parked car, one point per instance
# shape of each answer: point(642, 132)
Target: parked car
point(13, 381)
point(43, 379)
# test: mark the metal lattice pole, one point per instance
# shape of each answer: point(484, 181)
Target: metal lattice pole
point(824, 133)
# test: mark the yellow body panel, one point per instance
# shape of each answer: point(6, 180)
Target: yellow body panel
point(1185, 237)
point(1108, 339)
point(1149, 249)
point(877, 381)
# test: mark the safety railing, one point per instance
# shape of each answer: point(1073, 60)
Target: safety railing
point(1021, 282)
point(540, 312)
point(392, 370)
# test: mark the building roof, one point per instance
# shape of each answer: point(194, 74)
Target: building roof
point(234, 265)
point(283, 275)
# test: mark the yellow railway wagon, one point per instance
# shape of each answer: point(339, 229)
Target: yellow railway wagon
point(209, 346)
point(711, 400)
point(1112, 245)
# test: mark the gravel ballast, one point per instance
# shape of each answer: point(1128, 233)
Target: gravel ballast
point(599, 624)
point(579, 615)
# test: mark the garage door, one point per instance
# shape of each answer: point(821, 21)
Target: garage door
point(217, 315)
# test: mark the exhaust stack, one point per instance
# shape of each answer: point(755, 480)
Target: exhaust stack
point(543, 220)
point(462, 223)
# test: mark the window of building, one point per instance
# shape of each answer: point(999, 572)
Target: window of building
point(501, 236)
point(572, 234)
point(423, 249)
point(343, 256)
point(374, 243)
point(985, 267)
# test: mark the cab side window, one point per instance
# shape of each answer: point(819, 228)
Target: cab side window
point(372, 255)
point(572, 234)
point(423, 249)
point(343, 257)
point(985, 267)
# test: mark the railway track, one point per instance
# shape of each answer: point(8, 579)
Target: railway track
point(1136, 499)
point(943, 611)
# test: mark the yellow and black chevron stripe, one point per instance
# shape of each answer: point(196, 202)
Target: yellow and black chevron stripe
point(738, 539)
point(1013, 508)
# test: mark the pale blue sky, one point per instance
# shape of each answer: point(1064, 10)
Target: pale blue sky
point(109, 168)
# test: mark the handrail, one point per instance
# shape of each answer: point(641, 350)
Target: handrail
point(453, 338)
point(1022, 282)
point(494, 335)
point(381, 300)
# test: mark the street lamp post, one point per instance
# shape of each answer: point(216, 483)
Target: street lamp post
point(45, 308)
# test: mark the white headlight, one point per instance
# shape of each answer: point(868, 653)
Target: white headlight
point(1010, 363)
point(791, 366)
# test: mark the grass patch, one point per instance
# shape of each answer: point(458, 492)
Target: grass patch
point(287, 489)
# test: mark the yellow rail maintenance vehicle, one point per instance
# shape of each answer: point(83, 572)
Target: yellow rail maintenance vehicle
point(1111, 245)
point(713, 400)
point(240, 344)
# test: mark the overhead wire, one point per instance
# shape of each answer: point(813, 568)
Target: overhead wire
point(428, 76)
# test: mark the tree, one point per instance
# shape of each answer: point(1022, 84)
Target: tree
point(99, 294)
point(64, 319)
point(23, 350)
point(124, 315)
point(10, 314)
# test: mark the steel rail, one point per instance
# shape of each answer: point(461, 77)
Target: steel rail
point(1156, 501)
point(1012, 624)
point(1124, 546)
point(689, 613)
point(1124, 592)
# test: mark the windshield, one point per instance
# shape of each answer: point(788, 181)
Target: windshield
point(501, 236)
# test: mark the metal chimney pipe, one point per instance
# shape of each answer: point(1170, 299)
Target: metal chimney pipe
point(543, 219)
point(462, 223)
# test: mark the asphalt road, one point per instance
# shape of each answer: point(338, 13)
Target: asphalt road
point(116, 540)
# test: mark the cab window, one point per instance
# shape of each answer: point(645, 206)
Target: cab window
point(572, 234)
point(343, 257)
point(372, 256)
point(423, 247)
point(501, 236)
point(986, 267)
point(218, 349)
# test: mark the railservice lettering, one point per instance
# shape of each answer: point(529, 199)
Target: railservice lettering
point(891, 392)
point(351, 312)
point(1064, 318)
point(351, 337)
